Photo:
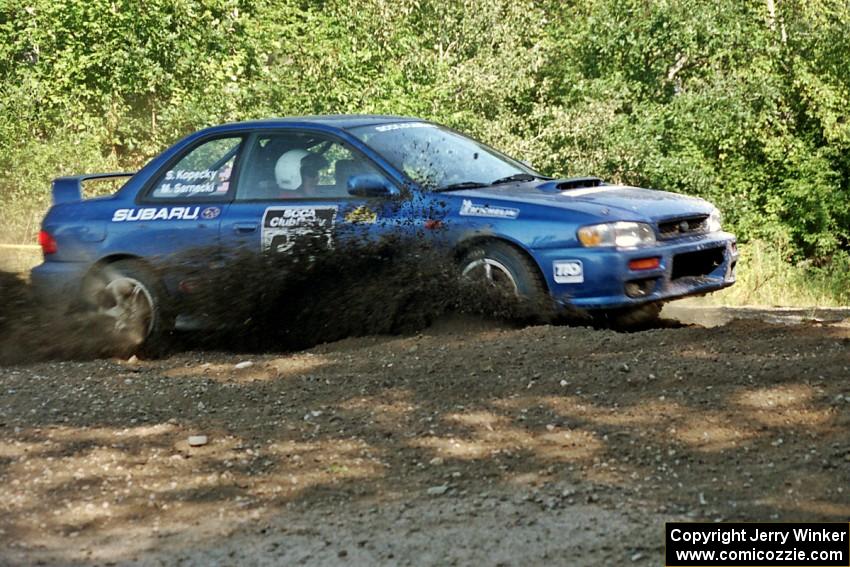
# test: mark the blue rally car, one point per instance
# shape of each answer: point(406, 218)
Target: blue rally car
point(607, 249)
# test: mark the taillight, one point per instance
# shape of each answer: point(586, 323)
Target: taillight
point(47, 242)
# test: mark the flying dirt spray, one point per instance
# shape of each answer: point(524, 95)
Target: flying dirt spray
point(246, 301)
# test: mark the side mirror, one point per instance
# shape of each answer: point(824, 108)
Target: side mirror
point(370, 185)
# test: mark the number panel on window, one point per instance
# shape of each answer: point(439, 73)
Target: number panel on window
point(203, 174)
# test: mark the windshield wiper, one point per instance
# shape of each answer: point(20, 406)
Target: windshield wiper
point(478, 184)
point(518, 177)
point(461, 185)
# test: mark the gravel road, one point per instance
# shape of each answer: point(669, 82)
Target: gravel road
point(469, 443)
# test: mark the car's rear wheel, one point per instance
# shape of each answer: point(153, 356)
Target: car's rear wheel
point(508, 271)
point(127, 299)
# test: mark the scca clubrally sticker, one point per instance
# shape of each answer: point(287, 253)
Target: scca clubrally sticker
point(283, 226)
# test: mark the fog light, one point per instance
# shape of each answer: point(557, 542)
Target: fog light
point(645, 263)
point(640, 288)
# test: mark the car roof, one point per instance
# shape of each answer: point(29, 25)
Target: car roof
point(343, 121)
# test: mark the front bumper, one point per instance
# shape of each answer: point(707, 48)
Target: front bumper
point(688, 266)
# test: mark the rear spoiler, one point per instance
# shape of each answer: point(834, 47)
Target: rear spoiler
point(69, 189)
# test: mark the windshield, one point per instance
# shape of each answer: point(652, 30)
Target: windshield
point(438, 158)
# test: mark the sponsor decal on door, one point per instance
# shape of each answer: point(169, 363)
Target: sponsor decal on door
point(283, 226)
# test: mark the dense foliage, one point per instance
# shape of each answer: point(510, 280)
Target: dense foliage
point(745, 103)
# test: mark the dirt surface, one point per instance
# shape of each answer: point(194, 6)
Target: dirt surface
point(468, 443)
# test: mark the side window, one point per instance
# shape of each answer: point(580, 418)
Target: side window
point(204, 173)
point(298, 165)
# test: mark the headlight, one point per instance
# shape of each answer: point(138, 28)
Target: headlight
point(622, 234)
point(714, 221)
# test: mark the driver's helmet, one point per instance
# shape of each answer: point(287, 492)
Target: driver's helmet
point(287, 170)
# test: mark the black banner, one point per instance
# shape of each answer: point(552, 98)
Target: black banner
point(757, 544)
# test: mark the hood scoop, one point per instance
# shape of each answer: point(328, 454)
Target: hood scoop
point(559, 185)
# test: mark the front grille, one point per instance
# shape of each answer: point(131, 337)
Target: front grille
point(700, 263)
point(683, 226)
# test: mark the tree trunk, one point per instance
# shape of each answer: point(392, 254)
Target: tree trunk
point(771, 21)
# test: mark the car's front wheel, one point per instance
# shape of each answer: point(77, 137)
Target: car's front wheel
point(127, 299)
point(508, 271)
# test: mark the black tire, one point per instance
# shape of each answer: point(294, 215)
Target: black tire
point(128, 301)
point(632, 318)
point(510, 269)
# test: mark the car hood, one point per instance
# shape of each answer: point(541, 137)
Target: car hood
point(618, 202)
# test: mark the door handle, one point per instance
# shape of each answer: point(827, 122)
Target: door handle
point(245, 227)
